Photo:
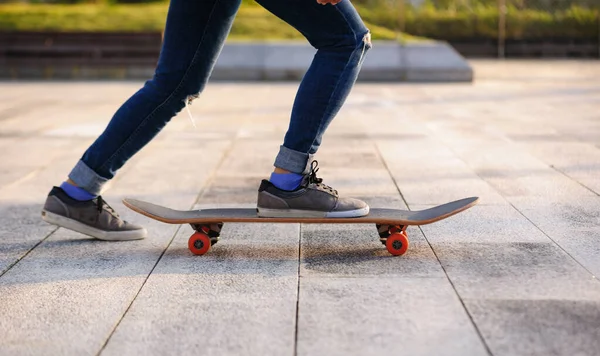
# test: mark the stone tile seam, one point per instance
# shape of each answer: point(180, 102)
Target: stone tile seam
point(2, 273)
point(460, 299)
point(507, 199)
point(114, 329)
point(573, 179)
point(215, 173)
point(447, 277)
point(297, 316)
point(367, 276)
point(18, 109)
point(512, 143)
point(387, 168)
point(206, 183)
point(491, 299)
point(554, 241)
point(133, 163)
point(28, 176)
point(36, 171)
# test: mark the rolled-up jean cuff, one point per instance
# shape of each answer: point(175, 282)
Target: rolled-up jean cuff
point(87, 178)
point(293, 161)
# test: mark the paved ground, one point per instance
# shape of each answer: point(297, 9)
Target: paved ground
point(512, 276)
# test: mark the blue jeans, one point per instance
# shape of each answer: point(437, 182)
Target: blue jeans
point(194, 36)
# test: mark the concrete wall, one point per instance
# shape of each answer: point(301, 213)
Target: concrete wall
point(255, 61)
point(387, 61)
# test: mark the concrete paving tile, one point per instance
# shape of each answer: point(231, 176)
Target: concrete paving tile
point(34, 187)
point(22, 159)
point(383, 316)
point(428, 173)
point(346, 151)
point(579, 161)
point(191, 316)
point(574, 225)
point(270, 249)
point(538, 327)
point(21, 202)
point(20, 229)
point(506, 167)
point(493, 251)
point(239, 299)
point(355, 250)
point(52, 114)
point(532, 182)
point(483, 224)
point(515, 271)
point(352, 182)
point(251, 158)
point(496, 138)
point(230, 190)
point(68, 294)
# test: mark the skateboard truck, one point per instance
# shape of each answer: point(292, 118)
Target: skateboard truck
point(206, 235)
point(394, 237)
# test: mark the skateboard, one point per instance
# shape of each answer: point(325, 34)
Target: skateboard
point(391, 224)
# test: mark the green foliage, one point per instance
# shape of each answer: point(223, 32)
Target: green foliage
point(482, 22)
point(252, 22)
point(85, 17)
point(573, 23)
point(456, 21)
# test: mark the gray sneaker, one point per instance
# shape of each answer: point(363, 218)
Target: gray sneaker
point(90, 217)
point(312, 199)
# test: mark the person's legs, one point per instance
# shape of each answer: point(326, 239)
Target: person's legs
point(194, 35)
point(341, 40)
point(193, 38)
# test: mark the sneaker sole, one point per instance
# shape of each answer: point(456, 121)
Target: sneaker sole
point(75, 225)
point(294, 213)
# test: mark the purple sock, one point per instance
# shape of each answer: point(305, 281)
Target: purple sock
point(286, 181)
point(76, 192)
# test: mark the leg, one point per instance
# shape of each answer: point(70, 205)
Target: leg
point(194, 35)
point(341, 40)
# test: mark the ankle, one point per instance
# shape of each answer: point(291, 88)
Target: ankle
point(76, 192)
point(278, 170)
point(286, 181)
point(71, 182)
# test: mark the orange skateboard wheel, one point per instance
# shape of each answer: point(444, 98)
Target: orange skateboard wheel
point(199, 243)
point(397, 244)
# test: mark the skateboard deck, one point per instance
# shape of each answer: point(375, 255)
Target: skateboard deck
point(391, 223)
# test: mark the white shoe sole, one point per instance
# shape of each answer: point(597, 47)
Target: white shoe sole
point(293, 213)
point(74, 225)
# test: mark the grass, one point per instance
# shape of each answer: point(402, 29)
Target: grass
point(252, 22)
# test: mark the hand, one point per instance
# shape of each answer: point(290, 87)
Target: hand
point(332, 2)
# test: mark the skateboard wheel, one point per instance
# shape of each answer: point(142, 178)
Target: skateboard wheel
point(397, 244)
point(199, 243)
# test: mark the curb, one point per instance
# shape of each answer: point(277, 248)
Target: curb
point(428, 61)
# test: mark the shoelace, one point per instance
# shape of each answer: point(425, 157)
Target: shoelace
point(312, 178)
point(101, 203)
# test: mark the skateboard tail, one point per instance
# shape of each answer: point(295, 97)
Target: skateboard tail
point(441, 212)
point(145, 208)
